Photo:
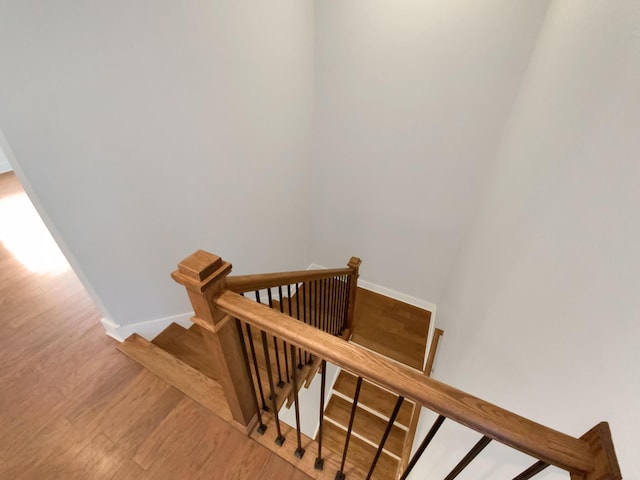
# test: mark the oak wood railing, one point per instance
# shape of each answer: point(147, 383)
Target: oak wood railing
point(217, 306)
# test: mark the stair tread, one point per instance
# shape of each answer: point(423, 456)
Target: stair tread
point(374, 397)
point(188, 346)
point(359, 453)
point(366, 424)
point(174, 371)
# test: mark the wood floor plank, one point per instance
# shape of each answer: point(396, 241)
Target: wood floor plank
point(198, 386)
point(73, 407)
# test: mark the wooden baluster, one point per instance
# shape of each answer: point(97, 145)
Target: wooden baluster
point(203, 275)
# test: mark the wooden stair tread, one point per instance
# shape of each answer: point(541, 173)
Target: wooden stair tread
point(391, 327)
point(374, 397)
point(359, 453)
point(366, 424)
point(174, 371)
point(188, 346)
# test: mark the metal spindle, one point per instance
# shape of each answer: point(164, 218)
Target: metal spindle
point(319, 308)
point(256, 368)
point(275, 343)
point(349, 286)
point(340, 474)
point(319, 464)
point(332, 291)
point(423, 446)
point(299, 451)
point(532, 471)
point(468, 458)
point(298, 315)
point(327, 307)
point(337, 306)
point(284, 346)
point(300, 365)
point(396, 409)
point(316, 306)
point(304, 310)
point(265, 345)
point(345, 303)
point(340, 309)
point(261, 426)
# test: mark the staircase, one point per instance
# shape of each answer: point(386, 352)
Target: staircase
point(247, 359)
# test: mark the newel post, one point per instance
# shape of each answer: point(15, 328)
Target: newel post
point(203, 275)
point(354, 265)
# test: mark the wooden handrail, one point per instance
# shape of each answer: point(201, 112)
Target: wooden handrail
point(249, 283)
point(564, 451)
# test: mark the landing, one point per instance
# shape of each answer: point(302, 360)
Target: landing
point(390, 327)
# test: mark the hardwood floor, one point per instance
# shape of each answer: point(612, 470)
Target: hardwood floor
point(72, 407)
point(393, 328)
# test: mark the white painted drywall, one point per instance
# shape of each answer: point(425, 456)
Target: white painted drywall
point(5, 166)
point(542, 314)
point(410, 100)
point(150, 129)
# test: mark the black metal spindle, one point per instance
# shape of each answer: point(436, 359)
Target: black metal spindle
point(346, 314)
point(256, 368)
point(336, 314)
point(320, 309)
point(275, 343)
point(297, 294)
point(261, 426)
point(396, 409)
point(299, 451)
point(339, 309)
point(345, 302)
point(300, 365)
point(332, 305)
point(265, 345)
point(304, 310)
point(340, 474)
point(468, 458)
point(327, 307)
point(423, 446)
point(319, 464)
point(532, 471)
point(316, 304)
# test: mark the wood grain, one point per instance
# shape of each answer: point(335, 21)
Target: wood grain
point(73, 407)
point(541, 442)
point(391, 327)
point(188, 346)
point(250, 283)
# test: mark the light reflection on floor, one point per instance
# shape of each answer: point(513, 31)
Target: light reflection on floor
point(24, 234)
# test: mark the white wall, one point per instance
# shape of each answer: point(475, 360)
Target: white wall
point(5, 166)
point(146, 130)
point(410, 100)
point(541, 314)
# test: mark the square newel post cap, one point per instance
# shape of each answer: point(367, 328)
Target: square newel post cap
point(354, 263)
point(200, 270)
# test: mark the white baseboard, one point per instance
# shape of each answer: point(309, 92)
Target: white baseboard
point(4, 165)
point(387, 292)
point(148, 329)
